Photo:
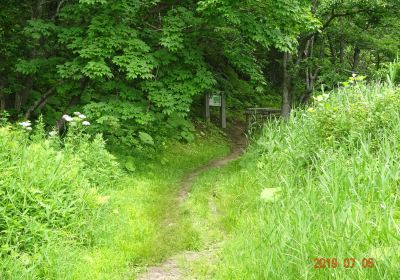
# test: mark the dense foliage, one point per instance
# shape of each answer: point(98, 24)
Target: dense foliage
point(356, 37)
point(140, 66)
point(50, 189)
point(66, 203)
point(138, 71)
point(136, 65)
point(322, 185)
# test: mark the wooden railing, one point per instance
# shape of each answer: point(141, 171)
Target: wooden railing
point(260, 114)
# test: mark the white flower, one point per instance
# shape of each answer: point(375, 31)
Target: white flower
point(85, 123)
point(77, 113)
point(354, 75)
point(53, 133)
point(68, 118)
point(28, 128)
point(25, 124)
point(81, 116)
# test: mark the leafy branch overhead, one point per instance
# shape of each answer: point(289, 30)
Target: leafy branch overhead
point(159, 57)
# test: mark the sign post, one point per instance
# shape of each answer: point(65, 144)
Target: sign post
point(216, 100)
point(208, 115)
point(223, 111)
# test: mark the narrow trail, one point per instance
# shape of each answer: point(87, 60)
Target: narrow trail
point(170, 269)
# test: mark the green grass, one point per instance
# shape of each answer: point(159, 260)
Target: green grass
point(119, 225)
point(133, 231)
point(337, 167)
point(334, 169)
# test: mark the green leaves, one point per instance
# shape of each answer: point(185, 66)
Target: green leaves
point(175, 24)
point(97, 69)
point(70, 70)
point(135, 65)
point(140, 62)
point(146, 138)
point(38, 28)
point(269, 23)
point(48, 192)
point(146, 61)
point(27, 67)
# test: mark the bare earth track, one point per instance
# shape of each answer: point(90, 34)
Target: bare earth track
point(170, 269)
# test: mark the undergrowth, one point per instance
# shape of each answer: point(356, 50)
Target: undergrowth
point(325, 184)
point(70, 210)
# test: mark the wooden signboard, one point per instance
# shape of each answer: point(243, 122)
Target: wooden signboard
point(216, 100)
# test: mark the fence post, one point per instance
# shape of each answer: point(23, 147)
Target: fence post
point(223, 110)
point(208, 108)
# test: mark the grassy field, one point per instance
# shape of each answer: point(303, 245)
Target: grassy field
point(316, 197)
point(83, 216)
point(323, 185)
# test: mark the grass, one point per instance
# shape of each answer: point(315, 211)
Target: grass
point(325, 184)
point(336, 175)
point(133, 231)
point(121, 218)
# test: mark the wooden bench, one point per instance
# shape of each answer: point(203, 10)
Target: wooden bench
point(260, 114)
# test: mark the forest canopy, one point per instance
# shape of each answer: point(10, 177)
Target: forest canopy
point(141, 66)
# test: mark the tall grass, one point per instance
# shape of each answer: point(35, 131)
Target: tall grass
point(141, 224)
point(68, 210)
point(50, 189)
point(337, 166)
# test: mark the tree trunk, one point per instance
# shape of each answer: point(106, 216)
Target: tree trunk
point(286, 95)
point(2, 96)
point(342, 46)
point(40, 103)
point(73, 101)
point(22, 96)
point(356, 58)
point(332, 49)
point(2, 102)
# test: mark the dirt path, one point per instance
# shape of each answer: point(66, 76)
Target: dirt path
point(170, 269)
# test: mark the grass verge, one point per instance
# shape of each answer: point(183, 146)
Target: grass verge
point(125, 229)
point(324, 185)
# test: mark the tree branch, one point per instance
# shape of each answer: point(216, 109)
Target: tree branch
point(73, 101)
point(42, 101)
point(58, 9)
point(333, 16)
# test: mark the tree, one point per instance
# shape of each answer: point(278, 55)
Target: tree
point(355, 37)
point(137, 66)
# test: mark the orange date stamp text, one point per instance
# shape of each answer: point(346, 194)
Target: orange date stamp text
point(321, 263)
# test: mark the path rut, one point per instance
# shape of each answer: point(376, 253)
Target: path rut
point(170, 269)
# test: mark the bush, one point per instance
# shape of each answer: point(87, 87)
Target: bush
point(353, 112)
point(128, 127)
point(49, 187)
point(336, 166)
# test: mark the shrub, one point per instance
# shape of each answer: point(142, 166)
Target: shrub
point(337, 168)
point(49, 187)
